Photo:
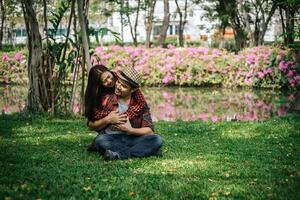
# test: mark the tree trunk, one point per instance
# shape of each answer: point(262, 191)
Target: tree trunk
point(238, 31)
point(180, 31)
point(2, 22)
point(222, 42)
point(290, 24)
point(247, 23)
point(136, 23)
point(265, 23)
point(82, 88)
point(149, 22)
point(122, 19)
point(166, 21)
point(133, 28)
point(282, 25)
point(239, 36)
point(182, 21)
point(47, 85)
point(85, 43)
point(35, 61)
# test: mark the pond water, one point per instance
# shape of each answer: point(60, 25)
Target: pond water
point(188, 104)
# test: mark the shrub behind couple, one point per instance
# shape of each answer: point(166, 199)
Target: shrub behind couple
point(117, 110)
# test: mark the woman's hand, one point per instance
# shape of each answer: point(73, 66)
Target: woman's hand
point(114, 117)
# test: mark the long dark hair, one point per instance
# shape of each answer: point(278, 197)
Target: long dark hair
point(93, 89)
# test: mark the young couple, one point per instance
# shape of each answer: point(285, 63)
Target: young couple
point(117, 110)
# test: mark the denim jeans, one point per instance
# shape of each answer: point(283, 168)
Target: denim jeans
point(129, 145)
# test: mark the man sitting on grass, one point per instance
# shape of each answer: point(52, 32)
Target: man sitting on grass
point(121, 138)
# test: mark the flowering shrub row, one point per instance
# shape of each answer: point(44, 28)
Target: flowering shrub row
point(12, 67)
point(264, 66)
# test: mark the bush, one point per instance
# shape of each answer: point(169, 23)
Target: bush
point(13, 67)
point(168, 41)
point(14, 48)
point(229, 45)
point(264, 66)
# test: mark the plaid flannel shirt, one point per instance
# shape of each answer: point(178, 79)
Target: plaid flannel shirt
point(138, 111)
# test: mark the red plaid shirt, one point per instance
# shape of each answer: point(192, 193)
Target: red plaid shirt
point(138, 111)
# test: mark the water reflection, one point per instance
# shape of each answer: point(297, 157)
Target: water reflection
point(12, 98)
point(188, 104)
point(216, 104)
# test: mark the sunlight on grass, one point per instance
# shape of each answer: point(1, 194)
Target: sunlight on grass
point(178, 166)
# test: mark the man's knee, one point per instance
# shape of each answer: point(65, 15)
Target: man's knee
point(157, 140)
point(102, 141)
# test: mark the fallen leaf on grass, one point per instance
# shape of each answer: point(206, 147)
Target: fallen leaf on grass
point(225, 193)
point(172, 170)
point(212, 198)
point(7, 198)
point(131, 194)
point(23, 186)
point(226, 175)
point(87, 189)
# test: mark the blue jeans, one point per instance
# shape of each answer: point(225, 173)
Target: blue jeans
point(129, 145)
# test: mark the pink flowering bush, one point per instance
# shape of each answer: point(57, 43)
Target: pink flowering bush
point(264, 66)
point(12, 67)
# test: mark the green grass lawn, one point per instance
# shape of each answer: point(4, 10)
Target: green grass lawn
point(43, 158)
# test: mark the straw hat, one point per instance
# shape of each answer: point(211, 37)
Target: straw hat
point(130, 75)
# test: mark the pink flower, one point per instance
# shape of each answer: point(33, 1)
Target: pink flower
point(291, 82)
point(216, 53)
point(5, 57)
point(297, 79)
point(99, 50)
point(135, 54)
point(166, 95)
point(250, 59)
point(290, 73)
point(170, 46)
point(260, 74)
point(283, 66)
point(249, 74)
point(203, 116)
point(215, 118)
point(249, 81)
point(282, 111)
point(76, 108)
point(167, 79)
point(269, 70)
point(18, 56)
point(107, 56)
point(6, 109)
point(168, 67)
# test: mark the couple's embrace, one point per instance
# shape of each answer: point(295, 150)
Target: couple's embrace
point(117, 110)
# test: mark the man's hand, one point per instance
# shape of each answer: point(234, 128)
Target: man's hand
point(115, 117)
point(126, 127)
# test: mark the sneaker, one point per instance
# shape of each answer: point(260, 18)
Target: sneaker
point(111, 155)
point(92, 147)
